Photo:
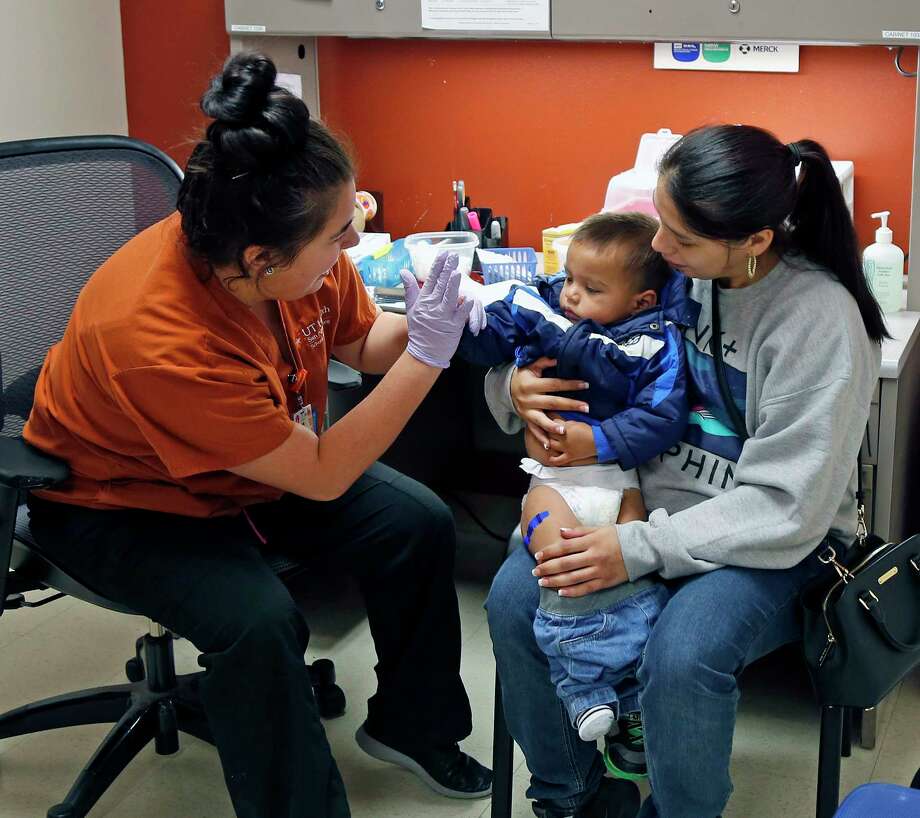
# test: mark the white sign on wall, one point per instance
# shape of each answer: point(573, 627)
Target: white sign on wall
point(485, 15)
point(753, 56)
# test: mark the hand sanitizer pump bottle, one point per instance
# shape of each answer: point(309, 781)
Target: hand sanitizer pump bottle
point(883, 265)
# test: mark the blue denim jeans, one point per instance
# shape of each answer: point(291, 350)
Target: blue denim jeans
point(713, 625)
point(593, 657)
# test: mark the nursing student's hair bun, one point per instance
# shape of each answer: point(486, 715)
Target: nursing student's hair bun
point(266, 174)
point(256, 123)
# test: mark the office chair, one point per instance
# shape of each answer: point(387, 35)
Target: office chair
point(66, 204)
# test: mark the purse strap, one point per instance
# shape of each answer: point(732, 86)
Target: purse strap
point(737, 420)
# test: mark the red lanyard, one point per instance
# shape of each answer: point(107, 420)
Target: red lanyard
point(297, 380)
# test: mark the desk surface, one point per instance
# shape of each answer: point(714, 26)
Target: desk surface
point(904, 327)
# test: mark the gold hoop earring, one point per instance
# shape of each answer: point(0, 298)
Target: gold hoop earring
point(270, 271)
point(752, 266)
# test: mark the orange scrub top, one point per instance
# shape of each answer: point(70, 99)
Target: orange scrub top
point(162, 382)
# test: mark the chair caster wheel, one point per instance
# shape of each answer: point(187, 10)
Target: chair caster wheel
point(61, 811)
point(134, 670)
point(330, 699)
point(322, 672)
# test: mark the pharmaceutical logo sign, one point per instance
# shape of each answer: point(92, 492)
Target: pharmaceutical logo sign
point(746, 56)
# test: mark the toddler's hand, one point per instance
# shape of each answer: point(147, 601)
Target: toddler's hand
point(574, 445)
point(477, 320)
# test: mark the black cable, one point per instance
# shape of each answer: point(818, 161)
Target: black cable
point(475, 517)
point(897, 64)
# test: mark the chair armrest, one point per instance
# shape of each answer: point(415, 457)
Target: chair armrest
point(24, 467)
point(342, 377)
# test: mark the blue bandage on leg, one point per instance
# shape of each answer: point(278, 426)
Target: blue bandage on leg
point(532, 526)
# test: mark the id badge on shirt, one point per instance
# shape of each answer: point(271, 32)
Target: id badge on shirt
point(304, 416)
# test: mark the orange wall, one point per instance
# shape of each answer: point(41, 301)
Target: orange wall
point(172, 48)
point(535, 129)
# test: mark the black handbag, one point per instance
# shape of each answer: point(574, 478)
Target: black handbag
point(862, 615)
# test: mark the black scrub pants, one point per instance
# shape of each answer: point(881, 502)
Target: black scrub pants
point(206, 580)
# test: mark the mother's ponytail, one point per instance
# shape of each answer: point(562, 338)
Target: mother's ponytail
point(820, 227)
point(730, 181)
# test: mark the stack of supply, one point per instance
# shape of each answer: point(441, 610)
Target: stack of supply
point(551, 262)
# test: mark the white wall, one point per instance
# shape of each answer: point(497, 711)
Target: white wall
point(61, 68)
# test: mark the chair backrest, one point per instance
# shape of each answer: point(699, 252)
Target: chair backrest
point(66, 204)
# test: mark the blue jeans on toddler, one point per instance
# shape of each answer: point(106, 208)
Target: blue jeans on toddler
point(593, 656)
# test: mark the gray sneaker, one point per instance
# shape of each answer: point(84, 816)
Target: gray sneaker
point(447, 770)
point(624, 753)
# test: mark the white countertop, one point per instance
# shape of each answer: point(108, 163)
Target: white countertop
point(904, 327)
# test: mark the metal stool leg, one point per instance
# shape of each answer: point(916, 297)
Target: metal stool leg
point(846, 744)
point(502, 759)
point(829, 761)
point(868, 727)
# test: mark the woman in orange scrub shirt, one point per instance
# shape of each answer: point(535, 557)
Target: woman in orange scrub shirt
point(185, 397)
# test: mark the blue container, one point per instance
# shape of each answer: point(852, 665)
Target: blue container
point(880, 801)
point(384, 271)
point(521, 265)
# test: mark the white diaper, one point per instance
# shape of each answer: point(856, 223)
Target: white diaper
point(594, 493)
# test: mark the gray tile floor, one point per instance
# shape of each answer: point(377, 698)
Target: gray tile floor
point(70, 645)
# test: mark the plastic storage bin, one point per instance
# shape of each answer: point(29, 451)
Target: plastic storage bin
point(424, 248)
point(632, 190)
point(521, 265)
point(382, 270)
point(880, 801)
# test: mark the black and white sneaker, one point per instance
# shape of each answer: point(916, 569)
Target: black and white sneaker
point(595, 722)
point(447, 770)
point(624, 753)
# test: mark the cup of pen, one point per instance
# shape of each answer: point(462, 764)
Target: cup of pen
point(424, 248)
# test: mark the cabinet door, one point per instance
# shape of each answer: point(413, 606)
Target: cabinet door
point(352, 18)
point(821, 21)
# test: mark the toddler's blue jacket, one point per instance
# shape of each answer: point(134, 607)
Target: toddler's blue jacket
point(635, 368)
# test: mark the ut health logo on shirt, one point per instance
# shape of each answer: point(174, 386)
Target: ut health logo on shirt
point(313, 334)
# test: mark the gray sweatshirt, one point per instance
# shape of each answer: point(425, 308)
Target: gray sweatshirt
point(802, 370)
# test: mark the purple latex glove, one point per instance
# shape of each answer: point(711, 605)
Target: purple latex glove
point(436, 316)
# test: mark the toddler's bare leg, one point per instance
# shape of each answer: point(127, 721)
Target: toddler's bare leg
point(543, 498)
point(632, 507)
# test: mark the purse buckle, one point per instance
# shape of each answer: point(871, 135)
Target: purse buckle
point(868, 595)
point(862, 530)
point(829, 557)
